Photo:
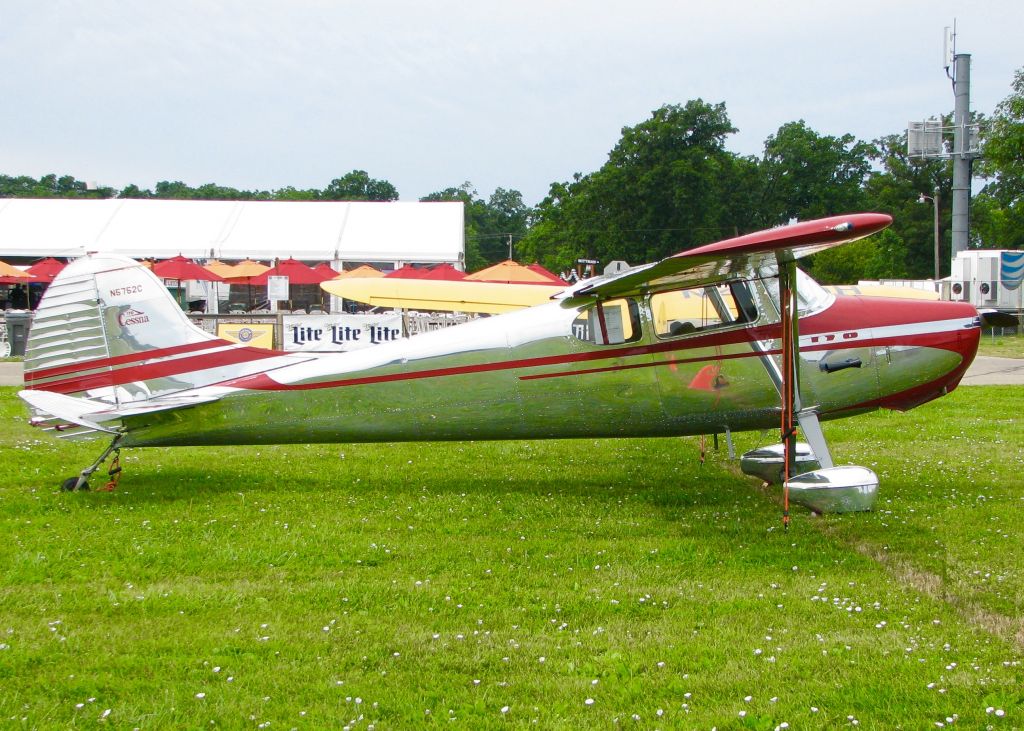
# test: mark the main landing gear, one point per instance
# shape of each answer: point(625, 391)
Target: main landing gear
point(81, 481)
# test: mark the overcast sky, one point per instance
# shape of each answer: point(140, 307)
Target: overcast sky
point(260, 95)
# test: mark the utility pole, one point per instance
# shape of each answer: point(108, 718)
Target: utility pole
point(938, 266)
point(926, 140)
point(934, 198)
point(962, 153)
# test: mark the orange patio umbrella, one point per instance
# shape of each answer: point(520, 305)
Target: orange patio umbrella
point(220, 268)
point(243, 273)
point(363, 270)
point(12, 275)
point(244, 270)
point(509, 272)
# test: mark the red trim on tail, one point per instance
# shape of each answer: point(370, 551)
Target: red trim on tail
point(163, 369)
point(89, 365)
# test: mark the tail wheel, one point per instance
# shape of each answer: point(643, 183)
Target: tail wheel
point(69, 484)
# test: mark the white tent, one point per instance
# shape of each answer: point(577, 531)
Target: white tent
point(310, 231)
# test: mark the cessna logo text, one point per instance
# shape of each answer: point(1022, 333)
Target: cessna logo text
point(131, 316)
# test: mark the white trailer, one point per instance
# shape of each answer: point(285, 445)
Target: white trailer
point(988, 279)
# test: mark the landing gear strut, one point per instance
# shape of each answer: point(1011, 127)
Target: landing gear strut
point(81, 481)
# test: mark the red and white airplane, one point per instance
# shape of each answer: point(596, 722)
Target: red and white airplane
point(726, 337)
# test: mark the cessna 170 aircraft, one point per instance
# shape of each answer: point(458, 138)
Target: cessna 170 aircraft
point(727, 337)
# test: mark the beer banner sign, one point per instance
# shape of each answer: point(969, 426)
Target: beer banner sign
point(326, 333)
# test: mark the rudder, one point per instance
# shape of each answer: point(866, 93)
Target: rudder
point(102, 316)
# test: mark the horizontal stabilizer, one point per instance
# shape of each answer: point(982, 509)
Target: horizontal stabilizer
point(93, 414)
point(165, 403)
point(78, 411)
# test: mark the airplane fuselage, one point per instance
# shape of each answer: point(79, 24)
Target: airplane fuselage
point(538, 373)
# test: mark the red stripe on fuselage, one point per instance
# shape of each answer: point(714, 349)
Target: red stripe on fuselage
point(942, 340)
point(91, 365)
point(163, 369)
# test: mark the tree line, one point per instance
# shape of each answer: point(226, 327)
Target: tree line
point(670, 184)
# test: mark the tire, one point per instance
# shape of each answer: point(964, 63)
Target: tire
point(69, 484)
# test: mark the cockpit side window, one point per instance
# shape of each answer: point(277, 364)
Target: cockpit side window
point(684, 311)
point(608, 323)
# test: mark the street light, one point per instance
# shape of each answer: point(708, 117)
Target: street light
point(934, 198)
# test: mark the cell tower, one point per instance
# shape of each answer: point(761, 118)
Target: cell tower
point(928, 139)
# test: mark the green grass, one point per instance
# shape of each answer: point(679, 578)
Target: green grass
point(1003, 346)
point(408, 585)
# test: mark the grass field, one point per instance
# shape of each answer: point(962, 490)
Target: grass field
point(562, 584)
point(1005, 346)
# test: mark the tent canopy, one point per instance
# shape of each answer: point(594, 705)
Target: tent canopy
point(310, 231)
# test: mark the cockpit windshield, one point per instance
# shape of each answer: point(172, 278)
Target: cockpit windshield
point(811, 297)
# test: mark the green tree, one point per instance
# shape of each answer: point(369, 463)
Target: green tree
point(668, 185)
point(868, 258)
point(806, 175)
point(359, 186)
point(133, 191)
point(896, 188)
point(50, 186)
point(488, 224)
point(173, 190)
point(290, 193)
point(999, 208)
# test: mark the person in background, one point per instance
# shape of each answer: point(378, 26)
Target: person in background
point(19, 297)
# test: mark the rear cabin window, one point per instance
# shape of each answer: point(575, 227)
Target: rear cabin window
point(685, 311)
point(608, 323)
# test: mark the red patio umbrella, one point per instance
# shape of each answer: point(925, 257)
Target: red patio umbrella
point(325, 269)
point(329, 273)
point(46, 270)
point(538, 269)
point(297, 273)
point(445, 272)
point(408, 271)
point(509, 272)
point(182, 269)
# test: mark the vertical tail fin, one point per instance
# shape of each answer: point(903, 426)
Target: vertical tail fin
point(109, 330)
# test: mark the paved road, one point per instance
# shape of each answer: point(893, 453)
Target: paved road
point(984, 371)
point(10, 374)
point(991, 371)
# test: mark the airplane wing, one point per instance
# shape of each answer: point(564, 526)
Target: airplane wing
point(440, 295)
point(715, 262)
point(703, 265)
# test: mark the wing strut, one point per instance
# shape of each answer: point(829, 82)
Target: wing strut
point(790, 373)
